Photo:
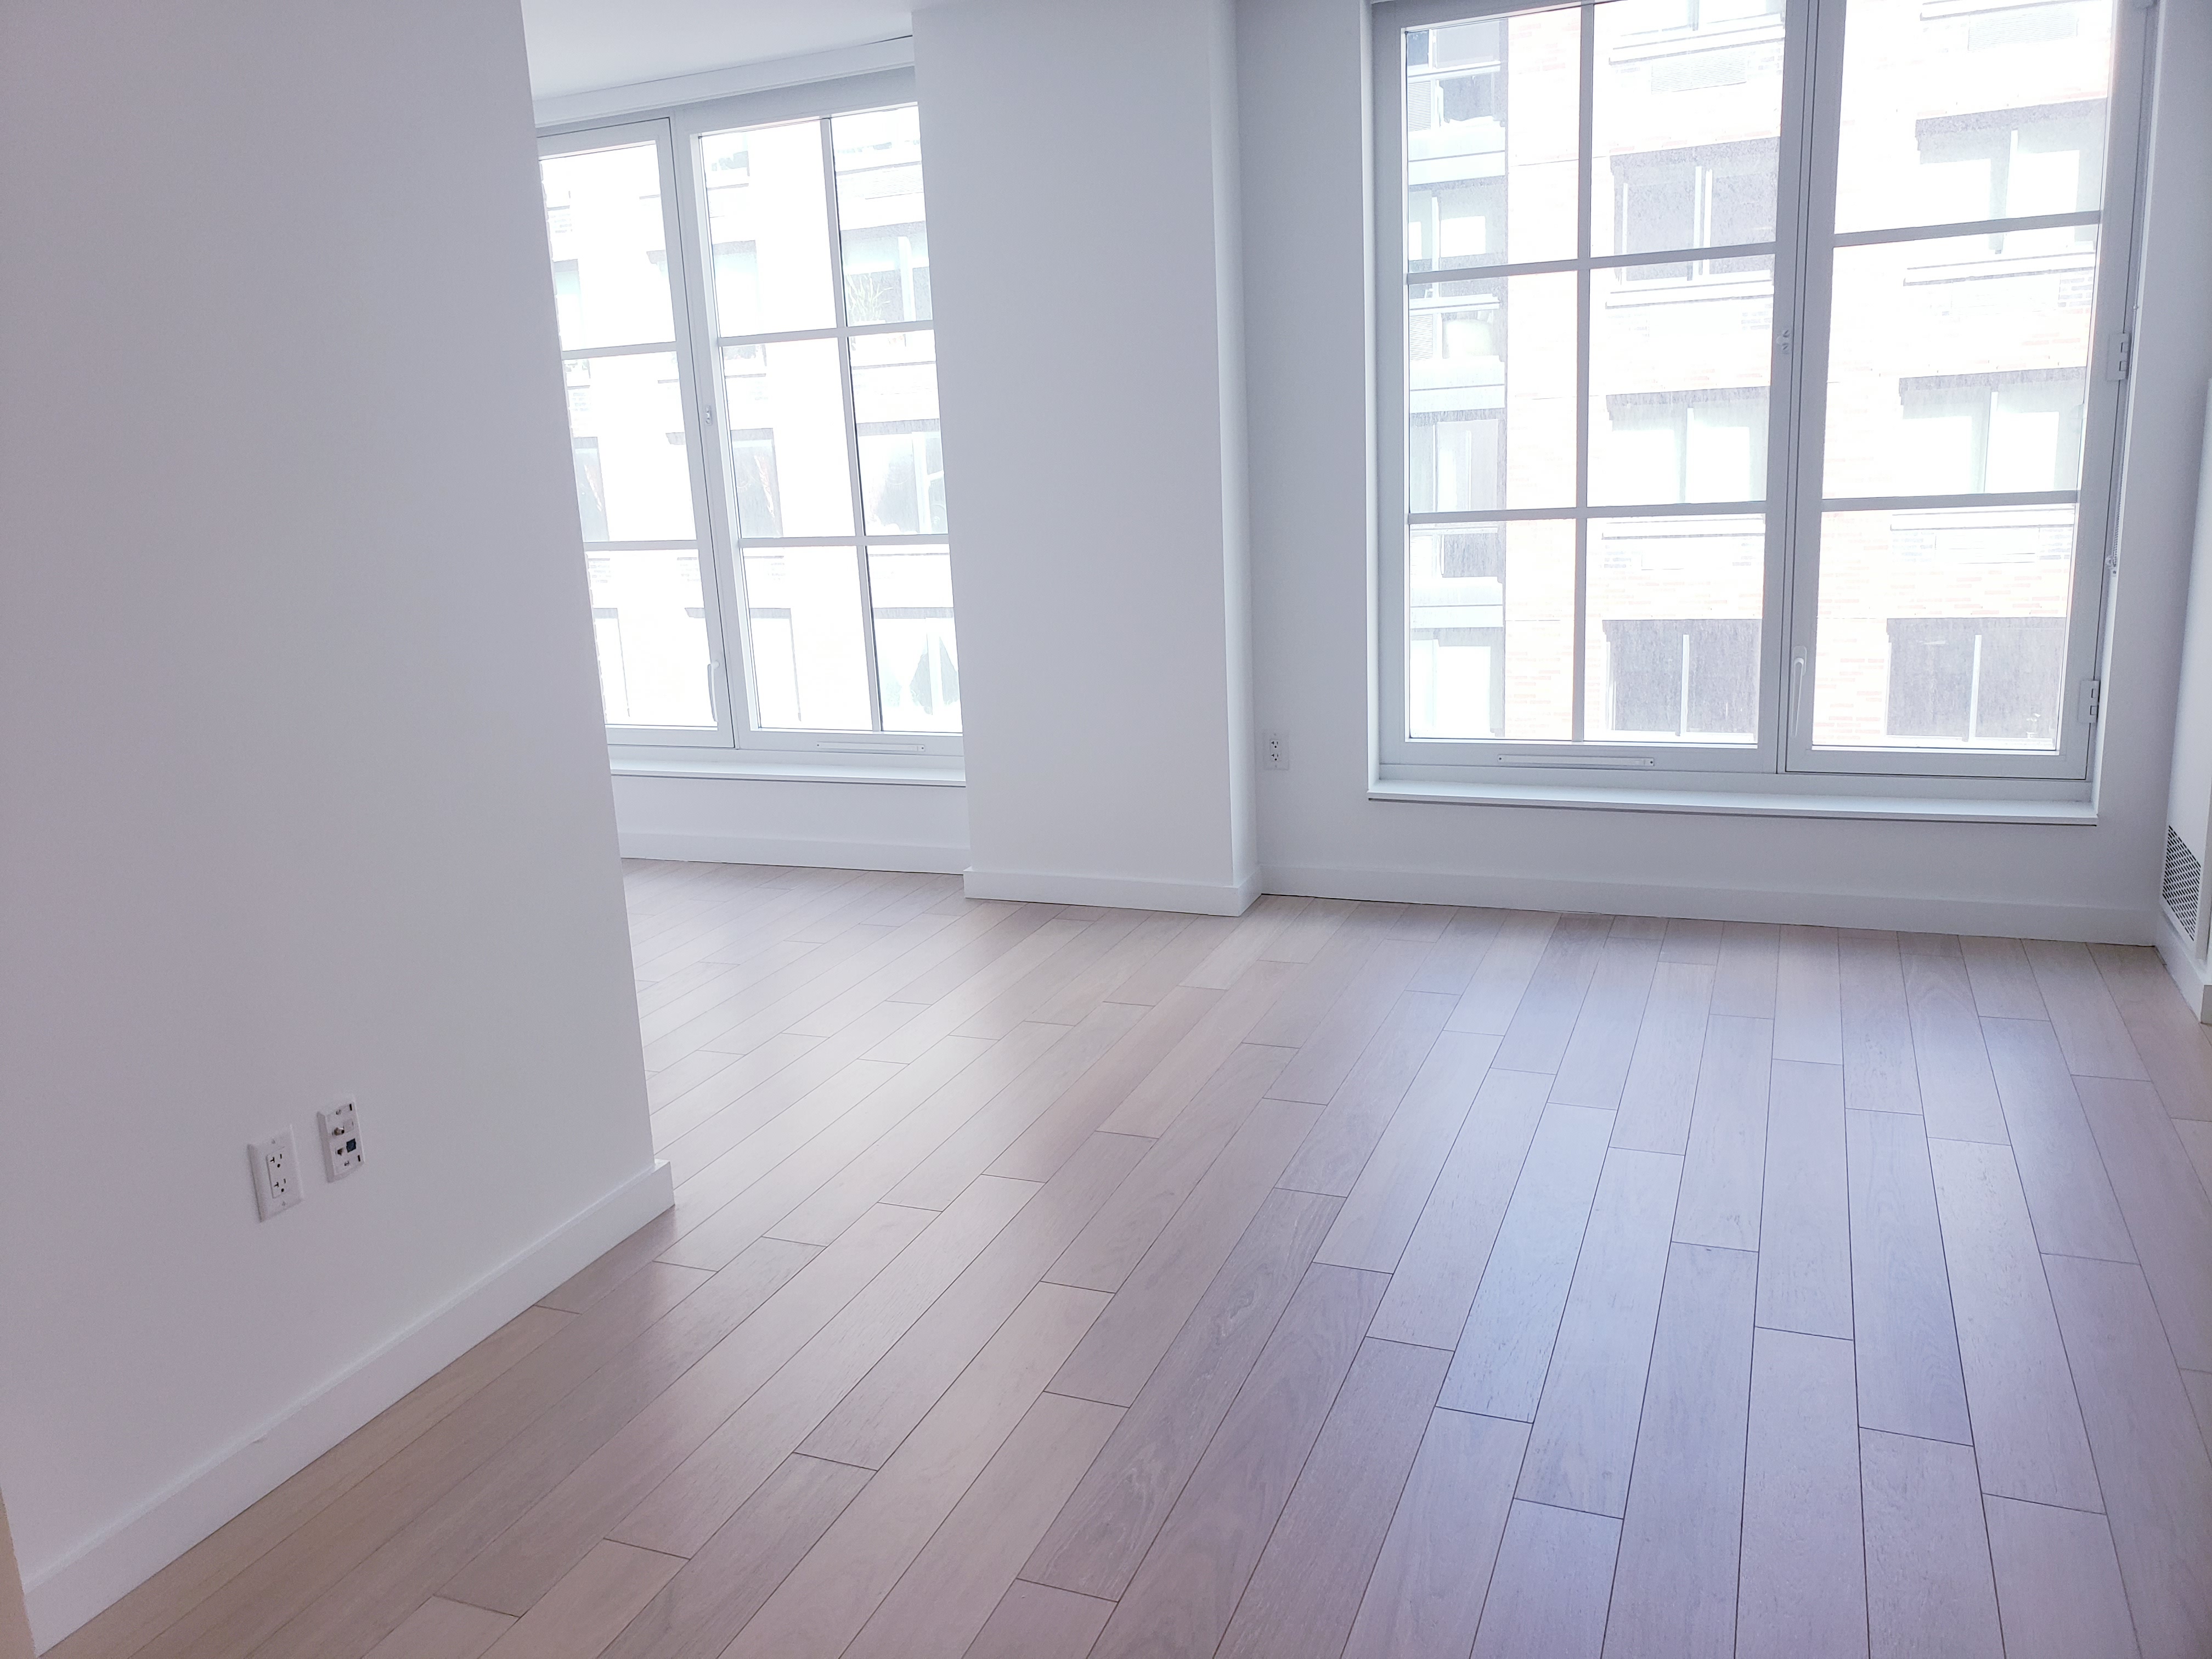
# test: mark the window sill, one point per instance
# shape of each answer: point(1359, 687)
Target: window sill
point(1930, 809)
point(763, 769)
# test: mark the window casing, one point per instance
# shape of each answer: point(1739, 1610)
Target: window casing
point(755, 428)
point(1630, 279)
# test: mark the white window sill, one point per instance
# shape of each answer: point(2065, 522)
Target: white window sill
point(1741, 804)
point(796, 769)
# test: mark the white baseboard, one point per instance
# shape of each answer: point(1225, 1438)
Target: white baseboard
point(810, 855)
point(1037, 887)
point(2187, 972)
point(65, 1595)
point(1990, 918)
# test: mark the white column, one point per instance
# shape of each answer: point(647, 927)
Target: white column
point(1081, 171)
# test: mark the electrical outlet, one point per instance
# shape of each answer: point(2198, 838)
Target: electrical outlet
point(1271, 752)
point(276, 1173)
point(341, 1142)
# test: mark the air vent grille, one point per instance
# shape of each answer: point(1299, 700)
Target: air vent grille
point(2184, 873)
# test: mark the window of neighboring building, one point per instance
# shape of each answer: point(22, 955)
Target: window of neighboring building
point(1769, 355)
point(759, 473)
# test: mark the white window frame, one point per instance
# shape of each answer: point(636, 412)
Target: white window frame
point(1782, 761)
point(747, 746)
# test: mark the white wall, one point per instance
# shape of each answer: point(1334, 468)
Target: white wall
point(1306, 223)
point(837, 826)
point(1082, 246)
point(305, 795)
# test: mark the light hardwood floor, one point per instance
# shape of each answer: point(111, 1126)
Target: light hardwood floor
point(1377, 1280)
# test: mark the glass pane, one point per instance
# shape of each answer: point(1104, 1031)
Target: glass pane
point(1959, 367)
point(901, 462)
point(768, 214)
point(810, 655)
point(879, 215)
point(785, 410)
point(633, 462)
point(1674, 641)
point(916, 663)
point(1956, 113)
point(1685, 118)
point(1482, 189)
point(1490, 649)
point(610, 246)
point(1678, 366)
point(1491, 390)
point(1944, 630)
point(649, 618)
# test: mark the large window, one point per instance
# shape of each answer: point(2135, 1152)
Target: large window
point(1751, 376)
point(744, 321)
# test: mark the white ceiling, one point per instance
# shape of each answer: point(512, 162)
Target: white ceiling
point(580, 45)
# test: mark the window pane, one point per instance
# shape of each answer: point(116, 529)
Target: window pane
point(768, 214)
point(1944, 630)
point(633, 463)
point(1958, 366)
point(901, 463)
point(787, 435)
point(1490, 388)
point(810, 654)
point(604, 225)
point(649, 618)
point(1675, 619)
point(1679, 368)
point(879, 215)
point(916, 663)
point(1956, 113)
point(1686, 114)
point(1484, 188)
point(1490, 648)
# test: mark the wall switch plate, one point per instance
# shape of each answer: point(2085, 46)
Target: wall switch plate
point(276, 1173)
point(1271, 752)
point(341, 1141)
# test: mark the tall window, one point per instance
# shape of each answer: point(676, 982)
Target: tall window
point(754, 424)
point(1755, 364)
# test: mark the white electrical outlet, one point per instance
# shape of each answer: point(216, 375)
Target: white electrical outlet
point(341, 1142)
point(276, 1173)
point(1271, 752)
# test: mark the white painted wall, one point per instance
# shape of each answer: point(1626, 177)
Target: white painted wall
point(306, 794)
point(1082, 221)
point(1306, 225)
point(836, 826)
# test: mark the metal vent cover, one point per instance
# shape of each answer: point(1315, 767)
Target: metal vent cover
point(2185, 873)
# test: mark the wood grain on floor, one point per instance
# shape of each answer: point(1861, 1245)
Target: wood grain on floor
point(1340, 1281)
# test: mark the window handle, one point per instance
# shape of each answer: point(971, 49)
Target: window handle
point(1797, 698)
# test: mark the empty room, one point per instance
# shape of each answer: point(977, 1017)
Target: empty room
point(1105, 830)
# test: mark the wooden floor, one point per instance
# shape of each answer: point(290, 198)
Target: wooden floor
point(1361, 1279)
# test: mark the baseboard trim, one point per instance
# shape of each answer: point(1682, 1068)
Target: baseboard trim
point(2186, 971)
point(809, 854)
point(64, 1596)
point(1993, 918)
point(1117, 892)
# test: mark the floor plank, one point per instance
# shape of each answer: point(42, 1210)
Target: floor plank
point(2069, 1194)
point(439, 1628)
point(1929, 1585)
point(1747, 976)
point(1909, 1381)
point(1661, 1084)
point(1585, 1433)
point(588, 1608)
point(1501, 978)
point(2058, 1582)
point(1036, 1621)
point(1879, 1071)
point(1425, 1597)
point(1675, 1590)
point(2090, 1031)
point(1599, 1050)
point(1808, 1012)
point(2027, 1426)
point(1182, 1596)
point(1724, 1166)
point(1804, 1230)
point(1343, 1137)
point(2168, 1215)
point(2004, 985)
point(1505, 1346)
point(2157, 1481)
point(1393, 1185)
point(1958, 1094)
point(1804, 1589)
point(1548, 1593)
point(1536, 1040)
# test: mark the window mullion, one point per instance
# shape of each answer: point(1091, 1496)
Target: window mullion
point(1585, 195)
point(852, 421)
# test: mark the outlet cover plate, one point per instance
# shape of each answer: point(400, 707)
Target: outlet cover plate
point(276, 1185)
point(341, 1134)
